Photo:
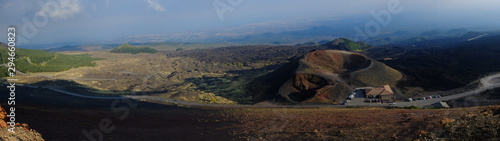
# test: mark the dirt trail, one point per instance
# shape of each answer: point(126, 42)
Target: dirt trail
point(51, 77)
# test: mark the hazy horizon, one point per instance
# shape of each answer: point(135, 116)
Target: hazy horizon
point(77, 20)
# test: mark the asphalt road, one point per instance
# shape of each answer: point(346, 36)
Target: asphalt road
point(51, 77)
point(488, 82)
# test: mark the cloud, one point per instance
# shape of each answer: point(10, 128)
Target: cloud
point(60, 9)
point(155, 5)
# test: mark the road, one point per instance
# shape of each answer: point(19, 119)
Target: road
point(488, 82)
point(51, 77)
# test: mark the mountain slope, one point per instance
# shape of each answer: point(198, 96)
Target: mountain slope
point(439, 69)
point(323, 76)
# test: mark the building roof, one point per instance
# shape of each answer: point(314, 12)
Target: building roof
point(379, 90)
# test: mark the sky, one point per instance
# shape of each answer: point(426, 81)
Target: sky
point(49, 21)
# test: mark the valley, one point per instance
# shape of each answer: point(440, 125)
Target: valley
point(265, 92)
point(229, 75)
point(249, 70)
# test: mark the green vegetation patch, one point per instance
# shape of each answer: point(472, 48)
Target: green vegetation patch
point(354, 46)
point(29, 60)
point(128, 48)
point(60, 62)
point(378, 74)
point(3, 71)
point(232, 88)
point(35, 56)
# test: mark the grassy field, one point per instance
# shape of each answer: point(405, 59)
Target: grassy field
point(379, 74)
point(28, 60)
point(3, 71)
point(127, 48)
point(60, 62)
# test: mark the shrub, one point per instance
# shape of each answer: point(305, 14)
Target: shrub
point(410, 107)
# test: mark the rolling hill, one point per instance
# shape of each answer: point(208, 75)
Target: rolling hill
point(454, 65)
point(128, 48)
point(325, 76)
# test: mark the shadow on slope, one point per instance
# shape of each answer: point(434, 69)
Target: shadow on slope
point(436, 69)
point(59, 116)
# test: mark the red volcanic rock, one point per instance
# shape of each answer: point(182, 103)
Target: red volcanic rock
point(3, 115)
point(22, 131)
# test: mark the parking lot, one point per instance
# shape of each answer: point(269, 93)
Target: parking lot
point(489, 82)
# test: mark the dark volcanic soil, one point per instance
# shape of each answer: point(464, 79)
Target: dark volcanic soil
point(61, 117)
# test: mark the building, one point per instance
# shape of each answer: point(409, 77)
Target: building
point(382, 94)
